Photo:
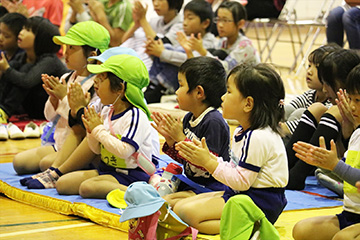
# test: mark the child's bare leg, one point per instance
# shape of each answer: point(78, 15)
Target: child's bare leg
point(72, 141)
point(28, 161)
point(320, 228)
point(195, 211)
point(173, 198)
point(69, 184)
point(351, 232)
point(100, 186)
point(79, 159)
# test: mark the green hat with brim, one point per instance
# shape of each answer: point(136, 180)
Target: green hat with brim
point(133, 71)
point(88, 33)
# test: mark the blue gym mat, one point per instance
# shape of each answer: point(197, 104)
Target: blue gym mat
point(101, 212)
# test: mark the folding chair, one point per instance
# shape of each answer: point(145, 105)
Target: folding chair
point(316, 25)
point(287, 13)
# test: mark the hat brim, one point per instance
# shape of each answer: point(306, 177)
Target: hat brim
point(141, 210)
point(116, 198)
point(98, 58)
point(66, 40)
point(96, 68)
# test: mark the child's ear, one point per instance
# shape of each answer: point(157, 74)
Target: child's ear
point(200, 92)
point(205, 24)
point(241, 24)
point(92, 53)
point(249, 104)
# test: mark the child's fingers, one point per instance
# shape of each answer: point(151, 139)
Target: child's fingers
point(322, 142)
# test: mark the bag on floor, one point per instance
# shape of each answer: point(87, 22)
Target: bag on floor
point(150, 216)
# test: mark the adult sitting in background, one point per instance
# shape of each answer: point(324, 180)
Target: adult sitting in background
point(344, 18)
point(23, 78)
point(264, 8)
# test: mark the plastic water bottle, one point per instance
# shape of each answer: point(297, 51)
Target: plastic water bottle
point(47, 138)
point(168, 182)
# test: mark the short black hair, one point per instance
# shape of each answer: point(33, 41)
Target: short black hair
point(14, 21)
point(202, 9)
point(87, 50)
point(237, 10)
point(353, 81)
point(44, 32)
point(209, 74)
point(318, 54)
point(265, 86)
point(335, 67)
point(175, 4)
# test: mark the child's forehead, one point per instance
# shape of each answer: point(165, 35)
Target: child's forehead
point(224, 12)
point(189, 12)
point(6, 28)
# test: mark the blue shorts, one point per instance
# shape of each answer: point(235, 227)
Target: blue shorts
point(271, 201)
point(347, 219)
point(124, 176)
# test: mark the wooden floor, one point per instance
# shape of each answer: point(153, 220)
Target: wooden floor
point(21, 221)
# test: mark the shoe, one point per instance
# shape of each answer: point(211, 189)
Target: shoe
point(42, 125)
point(3, 132)
point(15, 132)
point(3, 116)
point(31, 130)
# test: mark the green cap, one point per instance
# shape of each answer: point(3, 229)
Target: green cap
point(133, 71)
point(88, 33)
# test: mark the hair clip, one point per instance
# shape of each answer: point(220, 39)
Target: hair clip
point(281, 103)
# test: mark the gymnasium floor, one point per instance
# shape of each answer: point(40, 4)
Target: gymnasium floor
point(21, 221)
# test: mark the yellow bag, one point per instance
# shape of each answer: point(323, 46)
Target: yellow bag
point(171, 227)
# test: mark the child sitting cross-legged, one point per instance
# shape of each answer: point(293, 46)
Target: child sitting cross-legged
point(122, 130)
point(345, 225)
point(258, 165)
point(201, 85)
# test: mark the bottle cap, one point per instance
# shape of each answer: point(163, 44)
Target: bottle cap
point(173, 168)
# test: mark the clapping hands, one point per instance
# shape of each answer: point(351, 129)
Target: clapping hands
point(76, 98)
point(54, 87)
point(91, 119)
point(169, 127)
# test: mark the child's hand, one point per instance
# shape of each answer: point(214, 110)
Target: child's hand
point(348, 121)
point(54, 87)
point(317, 156)
point(174, 128)
point(91, 119)
point(154, 47)
point(196, 44)
point(76, 98)
point(184, 42)
point(76, 5)
point(139, 10)
point(135, 16)
point(198, 154)
point(96, 8)
point(159, 120)
point(4, 65)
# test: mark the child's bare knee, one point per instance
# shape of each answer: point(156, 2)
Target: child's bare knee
point(19, 164)
point(317, 110)
point(61, 186)
point(86, 189)
point(300, 230)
